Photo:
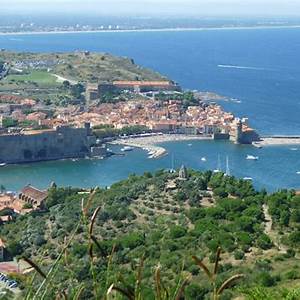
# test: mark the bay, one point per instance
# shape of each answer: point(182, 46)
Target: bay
point(258, 67)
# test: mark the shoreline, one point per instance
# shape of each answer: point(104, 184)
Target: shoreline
point(19, 33)
point(150, 143)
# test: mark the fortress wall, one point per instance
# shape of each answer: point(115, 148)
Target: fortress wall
point(65, 142)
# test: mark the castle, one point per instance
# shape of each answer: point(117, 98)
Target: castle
point(96, 91)
point(39, 145)
point(242, 133)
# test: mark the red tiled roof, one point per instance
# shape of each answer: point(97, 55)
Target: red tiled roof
point(34, 193)
point(142, 83)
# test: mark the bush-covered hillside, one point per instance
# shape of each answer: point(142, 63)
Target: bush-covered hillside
point(88, 241)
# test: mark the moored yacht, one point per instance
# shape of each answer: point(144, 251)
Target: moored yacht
point(127, 148)
point(251, 157)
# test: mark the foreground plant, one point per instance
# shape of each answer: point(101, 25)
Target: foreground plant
point(213, 276)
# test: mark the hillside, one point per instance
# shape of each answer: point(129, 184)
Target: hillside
point(41, 75)
point(163, 221)
point(80, 66)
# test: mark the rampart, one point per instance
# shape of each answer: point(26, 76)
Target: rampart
point(59, 143)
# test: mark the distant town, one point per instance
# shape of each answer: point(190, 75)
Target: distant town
point(43, 25)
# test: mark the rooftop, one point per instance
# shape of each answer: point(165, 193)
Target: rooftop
point(34, 193)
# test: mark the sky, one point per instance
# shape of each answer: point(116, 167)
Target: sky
point(155, 7)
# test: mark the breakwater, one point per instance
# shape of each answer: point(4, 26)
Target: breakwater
point(278, 140)
point(150, 143)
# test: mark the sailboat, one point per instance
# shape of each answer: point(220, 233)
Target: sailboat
point(227, 173)
point(218, 170)
point(172, 170)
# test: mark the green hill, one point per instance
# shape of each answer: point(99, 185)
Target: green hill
point(41, 75)
point(161, 221)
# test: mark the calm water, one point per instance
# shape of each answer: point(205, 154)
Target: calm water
point(262, 72)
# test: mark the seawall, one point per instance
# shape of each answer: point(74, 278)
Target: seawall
point(64, 142)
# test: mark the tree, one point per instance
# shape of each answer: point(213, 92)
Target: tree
point(264, 242)
point(177, 232)
point(66, 84)
point(265, 279)
point(77, 90)
point(14, 248)
point(295, 216)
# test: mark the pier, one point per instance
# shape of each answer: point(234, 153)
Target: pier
point(270, 140)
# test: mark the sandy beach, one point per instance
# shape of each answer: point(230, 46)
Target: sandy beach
point(151, 143)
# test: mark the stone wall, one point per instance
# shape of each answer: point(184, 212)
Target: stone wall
point(64, 142)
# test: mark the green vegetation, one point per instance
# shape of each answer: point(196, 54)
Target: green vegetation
point(140, 240)
point(104, 131)
point(187, 98)
point(41, 78)
point(10, 122)
point(38, 80)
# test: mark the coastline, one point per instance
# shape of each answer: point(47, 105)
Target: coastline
point(150, 143)
point(19, 33)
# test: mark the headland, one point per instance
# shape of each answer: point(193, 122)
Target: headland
point(47, 98)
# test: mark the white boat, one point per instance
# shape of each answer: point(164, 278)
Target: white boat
point(251, 157)
point(218, 170)
point(298, 172)
point(248, 178)
point(127, 148)
point(190, 145)
point(2, 164)
point(203, 158)
point(293, 149)
point(227, 173)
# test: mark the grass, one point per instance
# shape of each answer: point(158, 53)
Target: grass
point(38, 77)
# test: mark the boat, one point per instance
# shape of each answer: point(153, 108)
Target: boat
point(248, 178)
point(218, 170)
point(172, 170)
point(127, 148)
point(2, 164)
point(298, 172)
point(293, 149)
point(203, 158)
point(227, 173)
point(190, 145)
point(251, 157)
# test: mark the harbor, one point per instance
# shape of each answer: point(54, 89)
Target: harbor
point(150, 142)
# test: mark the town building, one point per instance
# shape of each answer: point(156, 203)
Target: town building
point(34, 197)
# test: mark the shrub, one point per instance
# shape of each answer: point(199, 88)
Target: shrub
point(133, 240)
point(238, 254)
point(177, 232)
point(293, 274)
point(264, 242)
point(265, 279)
point(195, 292)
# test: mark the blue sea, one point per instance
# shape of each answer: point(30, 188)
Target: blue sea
point(258, 68)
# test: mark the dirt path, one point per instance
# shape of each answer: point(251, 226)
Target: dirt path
point(62, 79)
point(270, 232)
